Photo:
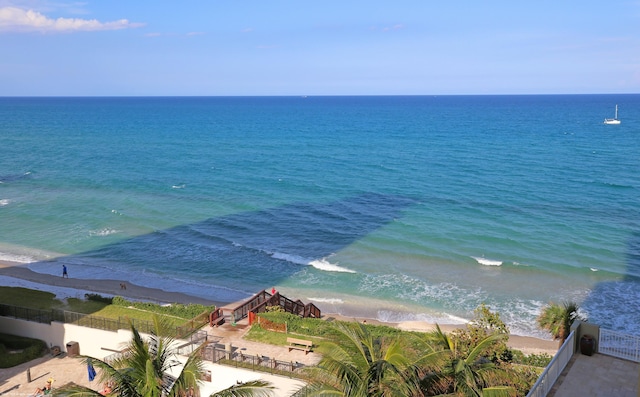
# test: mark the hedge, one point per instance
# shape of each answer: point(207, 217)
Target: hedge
point(31, 349)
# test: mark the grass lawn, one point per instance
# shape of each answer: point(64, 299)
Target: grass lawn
point(29, 298)
point(259, 334)
point(33, 299)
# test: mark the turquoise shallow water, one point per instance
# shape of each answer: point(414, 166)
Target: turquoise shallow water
point(399, 208)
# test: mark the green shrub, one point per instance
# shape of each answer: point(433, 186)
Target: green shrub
point(179, 310)
point(534, 360)
point(321, 328)
point(31, 349)
point(99, 298)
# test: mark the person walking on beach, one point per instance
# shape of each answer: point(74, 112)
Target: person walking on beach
point(64, 272)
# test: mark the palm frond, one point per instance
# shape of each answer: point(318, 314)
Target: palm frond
point(256, 388)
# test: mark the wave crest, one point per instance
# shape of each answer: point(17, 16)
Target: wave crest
point(320, 264)
point(487, 262)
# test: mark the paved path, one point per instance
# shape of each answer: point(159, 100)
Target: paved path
point(597, 376)
point(228, 333)
point(63, 369)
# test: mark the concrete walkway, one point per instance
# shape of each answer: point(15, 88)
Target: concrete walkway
point(598, 376)
point(14, 381)
point(228, 333)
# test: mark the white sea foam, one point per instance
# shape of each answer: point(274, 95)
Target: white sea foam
point(389, 316)
point(327, 300)
point(487, 262)
point(593, 269)
point(320, 264)
point(323, 264)
point(4, 202)
point(179, 186)
point(103, 232)
point(17, 258)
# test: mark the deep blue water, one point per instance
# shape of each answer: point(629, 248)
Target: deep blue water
point(398, 208)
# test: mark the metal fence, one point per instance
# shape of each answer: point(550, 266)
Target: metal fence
point(35, 315)
point(227, 355)
point(196, 340)
point(96, 322)
point(187, 347)
point(550, 374)
point(619, 345)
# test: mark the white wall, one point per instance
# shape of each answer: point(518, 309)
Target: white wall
point(90, 341)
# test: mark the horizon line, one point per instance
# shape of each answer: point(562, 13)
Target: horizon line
point(304, 96)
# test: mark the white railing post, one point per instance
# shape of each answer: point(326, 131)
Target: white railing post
point(548, 378)
point(619, 345)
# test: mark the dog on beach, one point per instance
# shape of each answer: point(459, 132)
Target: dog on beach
point(123, 286)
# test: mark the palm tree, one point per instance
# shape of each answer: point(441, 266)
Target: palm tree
point(359, 365)
point(557, 319)
point(144, 370)
point(466, 374)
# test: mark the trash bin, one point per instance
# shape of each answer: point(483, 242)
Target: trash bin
point(73, 349)
point(587, 345)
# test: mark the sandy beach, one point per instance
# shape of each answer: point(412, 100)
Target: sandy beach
point(19, 273)
point(100, 286)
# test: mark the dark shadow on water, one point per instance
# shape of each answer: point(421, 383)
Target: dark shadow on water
point(246, 250)
point(617, 303)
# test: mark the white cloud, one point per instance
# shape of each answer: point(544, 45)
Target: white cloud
point(14, 19)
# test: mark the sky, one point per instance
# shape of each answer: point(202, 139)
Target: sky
point(279, 47)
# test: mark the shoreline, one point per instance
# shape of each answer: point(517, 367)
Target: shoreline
point(78, 287)
point(104, 286)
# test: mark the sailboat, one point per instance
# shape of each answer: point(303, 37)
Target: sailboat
point(613, 120)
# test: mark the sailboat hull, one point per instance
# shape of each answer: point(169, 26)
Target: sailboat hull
point(613, 120)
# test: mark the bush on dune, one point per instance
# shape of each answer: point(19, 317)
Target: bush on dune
point(180, 310)
point(15, 350)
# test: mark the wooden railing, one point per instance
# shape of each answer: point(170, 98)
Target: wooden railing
point(260, 301)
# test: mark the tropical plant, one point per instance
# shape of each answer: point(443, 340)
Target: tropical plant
point(466, 373)
point(557, 319)
point(484, 323)
point(358, 365)
point(144, 370)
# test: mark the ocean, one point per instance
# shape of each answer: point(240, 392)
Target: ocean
point(389, 207)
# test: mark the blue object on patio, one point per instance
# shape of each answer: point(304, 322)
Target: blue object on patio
point(91, 371)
